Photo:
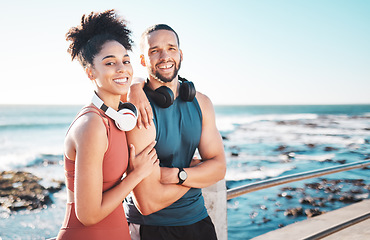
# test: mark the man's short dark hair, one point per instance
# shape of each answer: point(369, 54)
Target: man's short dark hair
point(156, 28)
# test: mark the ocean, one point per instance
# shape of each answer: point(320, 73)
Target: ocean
point(260, 142)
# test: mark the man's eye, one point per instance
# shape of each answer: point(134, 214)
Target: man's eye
point(126, 62)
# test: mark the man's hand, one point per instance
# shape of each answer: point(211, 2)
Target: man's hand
point(137, 97)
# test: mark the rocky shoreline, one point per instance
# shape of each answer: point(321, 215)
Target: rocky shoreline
point(329, 191)
point(21, 190)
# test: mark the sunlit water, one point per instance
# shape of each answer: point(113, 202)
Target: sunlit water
point(260, 142)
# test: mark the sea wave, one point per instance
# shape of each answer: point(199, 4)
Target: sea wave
point(254, 172)
point(30, 158)
point(230, 122)
point(21, 126)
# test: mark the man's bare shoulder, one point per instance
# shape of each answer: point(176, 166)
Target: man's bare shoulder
point(204, 100)
point(205, 104)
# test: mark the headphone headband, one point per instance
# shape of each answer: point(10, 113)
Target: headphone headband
point(126, 116)
point(164, 97)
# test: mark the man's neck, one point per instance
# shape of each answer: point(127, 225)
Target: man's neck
point(173, 85)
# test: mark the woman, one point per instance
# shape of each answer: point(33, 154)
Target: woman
point(96, 152)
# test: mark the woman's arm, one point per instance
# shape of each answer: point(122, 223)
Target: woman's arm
point(90, 140)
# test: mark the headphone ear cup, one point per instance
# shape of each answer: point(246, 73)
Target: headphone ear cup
point(187, 91)
point(129, 106)
point(127, 117)
point(163, 97)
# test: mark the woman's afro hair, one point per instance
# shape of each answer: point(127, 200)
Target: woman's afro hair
point(96, 29)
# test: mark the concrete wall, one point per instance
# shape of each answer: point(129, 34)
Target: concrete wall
point(216, 203)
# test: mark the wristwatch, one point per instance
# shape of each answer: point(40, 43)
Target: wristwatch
point(182, 176)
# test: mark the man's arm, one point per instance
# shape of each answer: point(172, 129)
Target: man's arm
point(150, 194)
point(213, 163)
point(137, 97)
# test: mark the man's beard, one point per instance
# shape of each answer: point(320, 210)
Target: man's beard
point(159, 77)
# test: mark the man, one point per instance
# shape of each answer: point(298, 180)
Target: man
point(169, 204)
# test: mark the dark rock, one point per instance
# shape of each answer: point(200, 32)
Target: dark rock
point(294, 212)
point(348, 198)
point(313, 212)
point(281, 148)
point(307, 200)
point(316, 186)
point(356, 182)
point(329, 149)
point(234, 151)
point(285, 195)
point(310, 145)
point(21, 190)
point(311, 125)
point(331, 189)
point(235, 154)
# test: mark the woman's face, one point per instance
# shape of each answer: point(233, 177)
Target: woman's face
point(111, 70)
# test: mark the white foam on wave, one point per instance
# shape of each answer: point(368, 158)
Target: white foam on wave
point(228, 122)
point(306, 157)
point(12, 160)
point(19, 159)
point(302, 132)
point(245, 173)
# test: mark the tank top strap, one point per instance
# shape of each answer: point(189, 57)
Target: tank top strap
point(93, 110)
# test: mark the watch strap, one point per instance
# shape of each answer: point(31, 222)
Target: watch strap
point(181, 181)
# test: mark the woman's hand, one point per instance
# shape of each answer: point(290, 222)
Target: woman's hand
point(137, 97)
point(143, 163)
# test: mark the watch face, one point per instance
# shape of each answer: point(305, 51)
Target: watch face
point(183, 175)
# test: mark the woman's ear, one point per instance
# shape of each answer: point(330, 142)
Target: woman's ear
point(142, 60)
point(89, 73)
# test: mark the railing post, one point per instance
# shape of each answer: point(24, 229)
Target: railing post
point(216, 204)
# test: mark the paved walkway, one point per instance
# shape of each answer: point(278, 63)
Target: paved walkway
point(307, 229)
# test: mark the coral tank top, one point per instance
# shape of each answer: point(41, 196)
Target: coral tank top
point(115, 162)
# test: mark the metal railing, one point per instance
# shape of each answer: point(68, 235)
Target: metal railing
point(238, 191)
point(252, 187)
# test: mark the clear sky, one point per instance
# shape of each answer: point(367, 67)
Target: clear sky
point(236, 52)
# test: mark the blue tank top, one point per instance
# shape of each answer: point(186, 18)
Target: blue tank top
point(178, 130)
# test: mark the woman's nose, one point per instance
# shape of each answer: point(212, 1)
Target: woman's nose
point(120, 67)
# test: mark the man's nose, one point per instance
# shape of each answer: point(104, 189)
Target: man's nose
point(164, 55)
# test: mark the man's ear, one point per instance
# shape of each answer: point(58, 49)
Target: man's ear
point(142, 60)
point(181, 57)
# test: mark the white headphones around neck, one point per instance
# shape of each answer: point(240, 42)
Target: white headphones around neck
point(126, 116)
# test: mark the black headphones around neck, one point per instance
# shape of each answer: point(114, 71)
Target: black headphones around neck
point(163, 96)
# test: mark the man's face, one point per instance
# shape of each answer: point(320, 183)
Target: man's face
point(162, 55)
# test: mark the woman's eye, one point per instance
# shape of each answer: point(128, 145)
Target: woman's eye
point(109, 63)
